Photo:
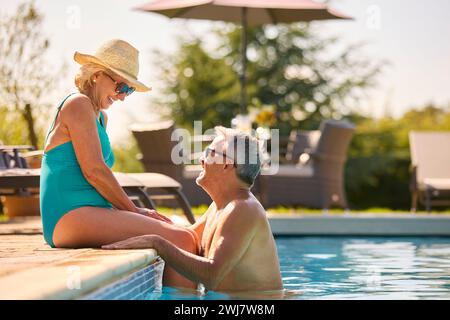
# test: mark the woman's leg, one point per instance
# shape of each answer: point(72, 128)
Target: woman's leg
point(93, 227)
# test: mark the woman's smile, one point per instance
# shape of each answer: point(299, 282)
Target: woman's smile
point(110, 100)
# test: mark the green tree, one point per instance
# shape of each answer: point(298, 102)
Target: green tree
point(25, 75)
point(290, 68)
point(198, 86)
point(378, 168)
point(12, 129)
point(126, 158)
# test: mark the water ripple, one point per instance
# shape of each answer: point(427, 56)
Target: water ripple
point(366, 268)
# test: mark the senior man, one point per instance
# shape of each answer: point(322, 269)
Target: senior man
point(237, 251)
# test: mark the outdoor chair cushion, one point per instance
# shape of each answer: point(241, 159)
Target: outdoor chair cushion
point(435, 183)
point(299, 141)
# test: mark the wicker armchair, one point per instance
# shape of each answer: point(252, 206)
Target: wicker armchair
point(314, 169)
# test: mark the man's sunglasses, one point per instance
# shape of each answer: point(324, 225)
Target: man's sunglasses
point(122, 87)
point(212, 152)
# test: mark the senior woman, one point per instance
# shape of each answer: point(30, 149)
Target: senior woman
point(82, 203)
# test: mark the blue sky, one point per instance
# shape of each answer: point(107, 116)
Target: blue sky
point(413, 35)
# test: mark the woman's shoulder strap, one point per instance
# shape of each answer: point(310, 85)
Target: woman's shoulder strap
point(54, 120)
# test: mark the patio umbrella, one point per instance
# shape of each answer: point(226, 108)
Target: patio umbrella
point(245, 12)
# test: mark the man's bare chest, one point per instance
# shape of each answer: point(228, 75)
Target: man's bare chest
point(208, 233)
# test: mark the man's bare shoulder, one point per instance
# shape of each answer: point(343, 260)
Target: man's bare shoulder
point(246, 209)
point(248, 204)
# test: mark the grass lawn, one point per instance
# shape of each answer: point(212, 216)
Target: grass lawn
point(199, 210)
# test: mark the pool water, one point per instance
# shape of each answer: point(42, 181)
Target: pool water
point(353, 268)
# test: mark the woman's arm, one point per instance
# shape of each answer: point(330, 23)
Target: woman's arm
point(232, 238)
point(79, 118)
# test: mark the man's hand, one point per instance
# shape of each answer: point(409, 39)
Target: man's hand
point(140, 242)
point(154, 214)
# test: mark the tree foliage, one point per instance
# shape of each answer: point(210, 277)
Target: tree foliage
point(290, 68)
point(25, 74)
point(378, 169)
point(12, 129)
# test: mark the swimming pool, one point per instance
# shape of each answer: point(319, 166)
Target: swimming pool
point(366, 268)
point(351, 268)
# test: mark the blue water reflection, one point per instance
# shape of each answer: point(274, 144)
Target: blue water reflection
point(354, 268)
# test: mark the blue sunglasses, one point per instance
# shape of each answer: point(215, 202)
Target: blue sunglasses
point(122, 87)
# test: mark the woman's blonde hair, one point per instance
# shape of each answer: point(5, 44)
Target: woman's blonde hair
point(85, 84)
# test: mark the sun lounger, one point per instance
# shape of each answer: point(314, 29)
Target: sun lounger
point(142, 188)
point(430, 169)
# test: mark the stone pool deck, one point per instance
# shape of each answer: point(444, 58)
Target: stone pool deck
point(30, 269)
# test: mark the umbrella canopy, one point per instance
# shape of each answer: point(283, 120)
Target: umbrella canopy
point(245, 12)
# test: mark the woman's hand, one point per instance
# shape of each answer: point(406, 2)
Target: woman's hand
point(154, 214)
point(140, 242)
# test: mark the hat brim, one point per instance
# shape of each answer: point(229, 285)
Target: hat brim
point(86, 58)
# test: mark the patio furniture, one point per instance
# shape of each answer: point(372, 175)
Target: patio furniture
point(18, 178)
point(299, 142)
point(10, 158)
point(156, 144)
point(430, 169)
point(142, 188)
point(147, 188)
point(313, 175)
point(17, 201)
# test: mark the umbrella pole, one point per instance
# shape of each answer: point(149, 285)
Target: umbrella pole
point(244, 60)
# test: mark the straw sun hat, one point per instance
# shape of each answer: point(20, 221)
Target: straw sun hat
point(118, 56)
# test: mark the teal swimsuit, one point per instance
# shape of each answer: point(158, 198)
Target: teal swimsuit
point(63, 186)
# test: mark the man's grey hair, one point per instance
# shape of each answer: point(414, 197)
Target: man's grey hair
point(245, 150)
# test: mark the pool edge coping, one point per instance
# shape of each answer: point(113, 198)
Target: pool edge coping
point(360, 225)
point(60, 280)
